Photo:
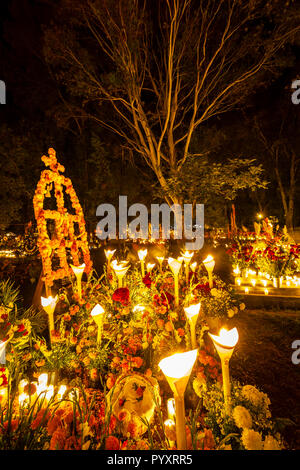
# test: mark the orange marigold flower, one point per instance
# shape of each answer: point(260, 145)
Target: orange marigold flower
point(180, 331)
point(169, 326)
point(110, 382)
point(138, 361)
point(112, 443)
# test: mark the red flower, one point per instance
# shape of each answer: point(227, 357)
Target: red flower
point(164, 299)
point(21, 328)
point(147, 280)
point(121, 295)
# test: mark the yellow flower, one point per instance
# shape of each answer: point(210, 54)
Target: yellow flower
point(252, 440)
point(256, 397)
point(86, 361)
point(242, 306)
point(242, 417)
point(271, 443)
point(230, 313)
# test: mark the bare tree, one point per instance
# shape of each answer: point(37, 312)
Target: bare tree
point(161, 69)
point(283, 153)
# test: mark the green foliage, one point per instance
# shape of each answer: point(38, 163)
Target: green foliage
point(202, 180)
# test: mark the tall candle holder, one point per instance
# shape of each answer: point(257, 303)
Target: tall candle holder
point(187, 256)
point(120, 270)
point(78, 271)
point(109, 254)
point(142, 255)
point(98, 314)
point(177, 370)
point(175, 266)
point(209, 264)
point(160, 259)
point(49, 304)
point(192, 313)
point(225, 344)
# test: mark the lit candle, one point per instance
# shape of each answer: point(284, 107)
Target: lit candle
point(49, 304)
point(109, 254)
point(225, 344)
point(187, 256)
point(149, 267)
point(175, 266)
point(253, 282)
point(192, 313)
point(97, 313)
point(171, 408)
point(160, 259)
point(120, 270)
point(238, 281)
point(78, 271)
point(266, 291)
point(177, 370)
point(236, 270)
point(142, 255)
point(193, 266)
point(246, 290)
point(209, 263)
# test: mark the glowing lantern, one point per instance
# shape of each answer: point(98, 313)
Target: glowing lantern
point(97, 313)
point(209, 264)
point(187, 256)
point(192, 313)
point(49, 304)
point(109, 254)
point(142, 255)
point(149, 267)
point(225, 344)
point(160, 259)
point(78, 271)
point(120, 270)
point(177, 370)
point(175, 266)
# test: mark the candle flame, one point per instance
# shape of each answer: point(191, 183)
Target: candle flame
point(178, 365)
point(226, 338)
point(192, 310)
point(142, 254)
point(175, 265)
point(97, 310)
point(78, 269)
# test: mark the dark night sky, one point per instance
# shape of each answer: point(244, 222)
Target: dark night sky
point(32, 91)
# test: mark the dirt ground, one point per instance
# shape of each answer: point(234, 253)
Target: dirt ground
point(263, 357)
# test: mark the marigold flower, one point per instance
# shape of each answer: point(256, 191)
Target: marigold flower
point(112, 443)
point(242, 417)
point(252, 440)
point(169, 326)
